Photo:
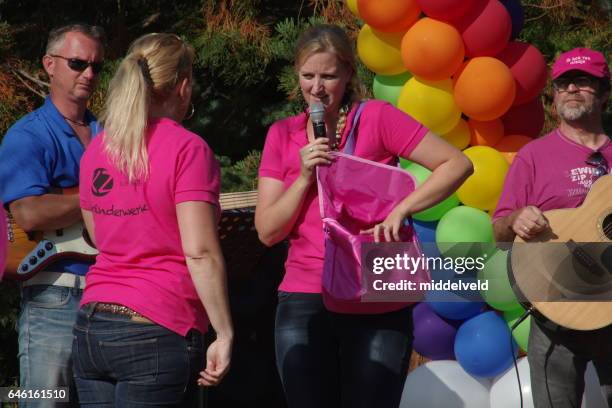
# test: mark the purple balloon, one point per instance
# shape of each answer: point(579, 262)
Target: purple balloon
point(434, 337)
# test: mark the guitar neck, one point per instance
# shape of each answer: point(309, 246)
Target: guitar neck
point(237, 200)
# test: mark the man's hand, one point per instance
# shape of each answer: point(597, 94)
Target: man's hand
point(529, 222)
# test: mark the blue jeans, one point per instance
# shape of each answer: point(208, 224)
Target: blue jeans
point(45, 340)
point(122, 363)
point(558, 358)
point(336, 360)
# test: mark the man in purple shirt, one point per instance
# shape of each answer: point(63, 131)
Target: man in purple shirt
point(557, 171)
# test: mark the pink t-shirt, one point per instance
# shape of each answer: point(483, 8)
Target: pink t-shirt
point(383, 133)
point(141, 263)
point(549, 173)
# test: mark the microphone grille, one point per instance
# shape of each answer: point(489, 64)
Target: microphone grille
point(317, 112)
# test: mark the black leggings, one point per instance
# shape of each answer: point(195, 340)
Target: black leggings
point(336, 360)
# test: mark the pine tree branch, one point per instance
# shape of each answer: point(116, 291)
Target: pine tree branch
point(19, 73)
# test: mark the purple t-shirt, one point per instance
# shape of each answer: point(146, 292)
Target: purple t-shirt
point(141, 263)
point(549, 173)
point(384, 133)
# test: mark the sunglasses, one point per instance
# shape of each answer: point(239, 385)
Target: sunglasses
point(581, 82)
point(80, 65)
point(597, 160)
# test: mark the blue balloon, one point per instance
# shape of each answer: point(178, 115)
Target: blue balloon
point(425, 230)
point(484, 346)
point(515, 9)
point(452, 306)
point(457, 304)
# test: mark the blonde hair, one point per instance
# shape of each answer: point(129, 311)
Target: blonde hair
point(154, 65)
point(330, 38)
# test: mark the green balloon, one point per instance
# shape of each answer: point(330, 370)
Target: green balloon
point(388, 88)
point(436, 212)
point(405, 163)
point(521, 333)
point(499, 294)
point(465, 232)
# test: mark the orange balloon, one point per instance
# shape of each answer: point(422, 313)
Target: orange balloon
point(389, 16)
point(485, 89)
point(509, 145)
point(432, 49)
point(485, 133)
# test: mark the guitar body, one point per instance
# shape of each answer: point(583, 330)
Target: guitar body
point(566, 272)
point(30, 253)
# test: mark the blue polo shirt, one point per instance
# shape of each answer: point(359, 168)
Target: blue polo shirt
point(38, 153)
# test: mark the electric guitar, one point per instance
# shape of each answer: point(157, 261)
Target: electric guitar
point(29, 253)
point(565, 273)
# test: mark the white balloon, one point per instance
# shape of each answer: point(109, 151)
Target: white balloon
point(504, 391)
point(444, 383)
point(592, 398)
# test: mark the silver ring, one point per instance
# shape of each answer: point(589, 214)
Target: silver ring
point(311, 150)
point(526, 229)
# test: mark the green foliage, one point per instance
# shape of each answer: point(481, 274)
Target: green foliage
point(242, 175)
point(232, 58)
point(6, 39)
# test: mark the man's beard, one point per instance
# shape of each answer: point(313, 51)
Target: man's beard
point(581, 111)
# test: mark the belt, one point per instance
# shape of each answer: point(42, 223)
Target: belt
point(121, 310)
point(65, 279)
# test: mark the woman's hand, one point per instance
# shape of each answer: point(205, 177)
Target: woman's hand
point(390, 227)
point(218, 358)
point(313, 154)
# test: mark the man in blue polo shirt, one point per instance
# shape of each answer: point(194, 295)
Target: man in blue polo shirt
point(40, 155)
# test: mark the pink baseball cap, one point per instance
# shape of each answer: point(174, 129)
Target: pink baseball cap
point(581, 59)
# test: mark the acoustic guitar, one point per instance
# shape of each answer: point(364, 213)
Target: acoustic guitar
point(565, 273)
point(29, 253)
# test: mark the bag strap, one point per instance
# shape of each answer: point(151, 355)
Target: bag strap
point(349, 147)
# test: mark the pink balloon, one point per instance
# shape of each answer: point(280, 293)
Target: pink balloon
point(528, 68)
point(445, 10)
point(526, 119)
point(3, 240)
point(485, 28)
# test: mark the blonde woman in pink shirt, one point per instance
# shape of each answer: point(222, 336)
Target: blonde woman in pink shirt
point(329, 359)
point(149, 194)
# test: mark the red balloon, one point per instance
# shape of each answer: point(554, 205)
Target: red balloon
point(485, 28)
point(445, 10)
point(526, 119)
point(528, 68)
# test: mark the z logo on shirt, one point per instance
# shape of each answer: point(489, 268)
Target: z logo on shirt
point(102, 183)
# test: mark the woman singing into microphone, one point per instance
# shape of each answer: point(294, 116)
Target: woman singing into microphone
point(328, 359)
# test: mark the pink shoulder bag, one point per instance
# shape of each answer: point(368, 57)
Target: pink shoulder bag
point(354, 195)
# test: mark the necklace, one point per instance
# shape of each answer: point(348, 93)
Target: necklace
point(340, 127)
point(76, 122)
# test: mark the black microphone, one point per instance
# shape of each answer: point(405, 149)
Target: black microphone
point(317, 117)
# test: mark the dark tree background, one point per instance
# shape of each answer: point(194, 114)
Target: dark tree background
point(243, 72)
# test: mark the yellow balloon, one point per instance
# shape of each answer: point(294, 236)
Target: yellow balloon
point(483, 188)
point(380, 52)
point(431, 103)
point(352, 5)
point(459, 136)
